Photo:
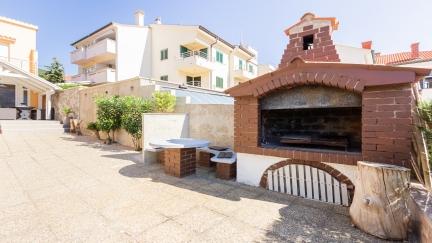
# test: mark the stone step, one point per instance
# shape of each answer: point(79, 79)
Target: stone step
point(30, 126)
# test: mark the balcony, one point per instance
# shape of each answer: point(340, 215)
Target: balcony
point(242, 73)
point(102, 76)
point(79, 78)
point(23, 64)
point(101, 51)
point(195, 62)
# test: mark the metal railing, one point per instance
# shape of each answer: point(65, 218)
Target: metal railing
point(17, 62)
point(194, 53)
point(246, 68)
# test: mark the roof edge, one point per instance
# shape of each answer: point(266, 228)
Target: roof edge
point(92, 33)
point(297, 62)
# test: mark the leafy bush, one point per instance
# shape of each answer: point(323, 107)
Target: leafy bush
point(65, 86)
point(126, 112)
point(131, 119)
point(109, 111)
point(94, 126)
point(164, 102)
point(425, 111)
point(67, 110)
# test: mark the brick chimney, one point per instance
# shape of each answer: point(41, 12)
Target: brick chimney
point(367, 45)
point(415, 50)
point(310, 39)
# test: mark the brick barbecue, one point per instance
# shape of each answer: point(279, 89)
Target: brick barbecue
point(315, 108)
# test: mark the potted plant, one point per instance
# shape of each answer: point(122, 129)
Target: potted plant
point(93, 126)
point(68, 112)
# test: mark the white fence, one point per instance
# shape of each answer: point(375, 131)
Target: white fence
point(308, 182)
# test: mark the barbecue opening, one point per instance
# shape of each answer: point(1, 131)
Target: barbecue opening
point(311, 117)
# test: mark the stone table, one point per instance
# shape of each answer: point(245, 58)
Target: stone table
point(179, 154)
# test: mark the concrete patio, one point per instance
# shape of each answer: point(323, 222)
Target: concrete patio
point(60, 188)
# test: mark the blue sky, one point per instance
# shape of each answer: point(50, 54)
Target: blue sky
point(392, 25)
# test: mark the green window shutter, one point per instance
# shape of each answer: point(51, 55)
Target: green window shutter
point(164, 77)
point(251, 69)
point(183, 49)
point(164, 54)
point(219, 56)
point(219, 82)
point(240, 64)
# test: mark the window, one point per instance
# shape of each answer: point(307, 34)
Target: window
point(219, 56)
point(251, 68)
point(164, 77)
point(7, 96)
point(184, 52)
point(219, 82)
point(164, 54)
point(25, 96)
point(308, 42)
point(240, 64)
point(4, 52)
point(194, 81)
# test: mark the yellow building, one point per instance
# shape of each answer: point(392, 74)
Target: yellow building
point(21, 90)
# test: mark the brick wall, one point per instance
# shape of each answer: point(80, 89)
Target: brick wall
point(323, 47)
point(386, 129)
point(187, 156)
point(387, 124)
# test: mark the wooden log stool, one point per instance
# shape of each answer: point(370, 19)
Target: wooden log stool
point(380, 200)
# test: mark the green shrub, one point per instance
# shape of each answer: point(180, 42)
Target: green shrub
point(425, 112)
point(67, 110)
point(94, 126)
point(425, 109)
point(163, 102)
point(131, 119)
point(109, 111)
point(65, 86)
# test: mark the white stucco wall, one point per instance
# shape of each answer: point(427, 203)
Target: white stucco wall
point(133, 51)
point(349, 54)
point(25, 40)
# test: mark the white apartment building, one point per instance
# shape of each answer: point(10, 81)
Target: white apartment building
point(184, 54)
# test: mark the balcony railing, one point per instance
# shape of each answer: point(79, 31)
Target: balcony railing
point(194, 53)
point(23, 64)
point(102, 75)
point(105, 48)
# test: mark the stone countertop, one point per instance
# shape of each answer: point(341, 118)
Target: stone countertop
point(179, 143)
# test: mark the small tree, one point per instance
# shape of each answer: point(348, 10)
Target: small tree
point(164, 101)
point(54, 72)
point(94, 126)
point(131, 119)
point(109, 111)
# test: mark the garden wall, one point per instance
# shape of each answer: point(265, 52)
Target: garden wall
point(66, 98)
point(213, 122)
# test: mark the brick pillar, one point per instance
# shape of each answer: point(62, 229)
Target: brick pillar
point(204, 159)
point(387, 124)
point(180, 162)
point(246, 118)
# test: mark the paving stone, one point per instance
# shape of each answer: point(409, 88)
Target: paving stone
point(61, 188)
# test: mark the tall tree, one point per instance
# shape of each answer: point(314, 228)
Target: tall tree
point(54, 72)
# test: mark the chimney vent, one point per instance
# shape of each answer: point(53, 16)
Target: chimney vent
point(139, 18)
point(158, 20)
point(415, 50)
point(367, 45)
